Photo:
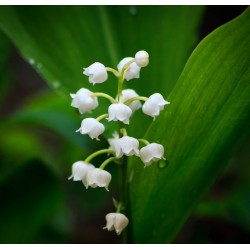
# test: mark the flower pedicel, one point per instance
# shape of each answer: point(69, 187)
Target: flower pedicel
point(121, 109)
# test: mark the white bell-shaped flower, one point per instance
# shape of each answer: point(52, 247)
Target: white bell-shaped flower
point(80, 170)
point(126, 145)
point(128, 94)
point(151, 153)
point(154, 105)
point(116, 221)
point(119, 112)
point(133, 70)
point(98, 178)
point(92, 127)
point(142, 58)
point(96, 72)
point(83, 100)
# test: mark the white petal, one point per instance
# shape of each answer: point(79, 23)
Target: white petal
point(120, 222)
point(158, 98)
point(141, 58)
point(110, 218)
point(116, 221)
point(98, 177)
point(154, 105)
point(126, 145)
point(119, 112)
point(133, 70)
point(84, 101)
point(151, 153)
point(150, 108)
point(128, 94)
point(80, 170)
point(92, 127)
point(96, 72)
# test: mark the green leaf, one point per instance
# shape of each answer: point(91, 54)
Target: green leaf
point(207, 118)
point(59, 41)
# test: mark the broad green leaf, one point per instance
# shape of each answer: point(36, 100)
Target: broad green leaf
point(59, 41)
point(207, 118)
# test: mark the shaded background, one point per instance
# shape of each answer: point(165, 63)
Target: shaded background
point(39, 205)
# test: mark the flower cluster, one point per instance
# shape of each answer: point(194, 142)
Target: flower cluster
point(121, 109)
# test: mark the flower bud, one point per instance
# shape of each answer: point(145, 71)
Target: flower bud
point(92, 127)
point(80, 170)
point(151, 153)
point(128, 94)
point(84, 101)
point(119, 112)
point(126, 145)
point(141, 58)
point(98, 178)
point(96, 72)
point(116, 221)
point(154, 105)
point(133, 71)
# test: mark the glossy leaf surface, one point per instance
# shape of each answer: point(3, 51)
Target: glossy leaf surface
point(207, 118)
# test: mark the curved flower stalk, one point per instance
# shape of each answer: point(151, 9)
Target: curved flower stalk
point(133, 70)
point(126, 102)
point(128, 94)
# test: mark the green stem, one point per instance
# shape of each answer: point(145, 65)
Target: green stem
point(144, 141)
point(120, 86)
point(106, 162)
point(103, 151)
point(119, 207)
point(139, 98)
point(123, 181)
point(124, 131)
point(110, 98)
point(115, 72)
point(99, 118)
point(121, 79)
point(125, 67)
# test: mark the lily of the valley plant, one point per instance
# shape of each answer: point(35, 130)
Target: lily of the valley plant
point(121, 109)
